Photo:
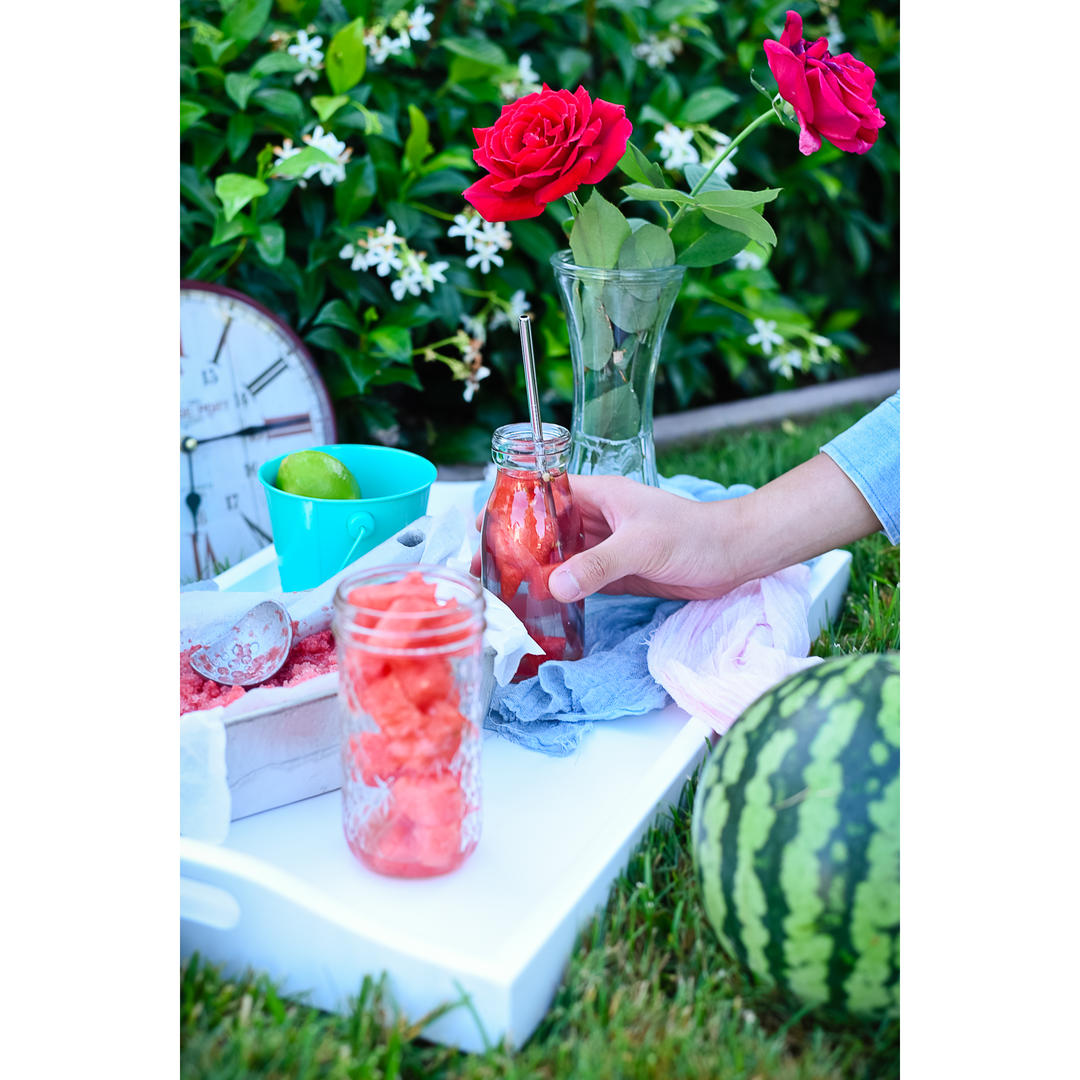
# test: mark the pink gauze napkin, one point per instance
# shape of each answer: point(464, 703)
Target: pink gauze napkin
point(715, 657)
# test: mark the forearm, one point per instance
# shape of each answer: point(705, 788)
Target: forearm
point(807, 511)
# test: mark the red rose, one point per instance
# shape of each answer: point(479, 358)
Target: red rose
point(544, 146)
point(831, 95)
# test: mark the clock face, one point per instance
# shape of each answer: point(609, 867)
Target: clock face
point(249, 391)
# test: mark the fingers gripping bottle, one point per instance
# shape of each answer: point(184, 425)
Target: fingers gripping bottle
point(527, 532)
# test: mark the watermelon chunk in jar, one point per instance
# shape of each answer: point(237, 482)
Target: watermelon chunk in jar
point(530, 526)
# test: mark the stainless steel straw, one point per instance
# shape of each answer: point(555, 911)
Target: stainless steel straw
point(525, 332)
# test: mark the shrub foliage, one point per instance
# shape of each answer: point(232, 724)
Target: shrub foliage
point(309, 125)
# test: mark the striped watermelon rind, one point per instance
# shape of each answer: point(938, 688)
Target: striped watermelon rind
point(796, 828)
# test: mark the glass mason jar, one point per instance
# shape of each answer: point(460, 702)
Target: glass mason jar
point(410, 686)
point(616, 321)
point(529, 528)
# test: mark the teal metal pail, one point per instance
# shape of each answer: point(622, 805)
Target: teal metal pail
point(315, 538)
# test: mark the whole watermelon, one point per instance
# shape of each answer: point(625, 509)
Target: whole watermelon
point(796, 835)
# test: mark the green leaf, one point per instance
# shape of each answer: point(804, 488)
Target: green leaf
point(597, 338)
point(300, 11)
point(698, 242)
point(270, 243)
point(702, 105)
point(393, 342)
point(226, 229)
point(722, 200)
point(275, 63)
point(236, 190)
point(354, 194)
point(417, 146)
point(325, 107)
point(240, 88)
point(437, 183)
point(346, 58)
point(648, 193)
point(480, 51)
point(696, 171)
point(532, 237)
point(647, 246)
point(338, 313)
point(246, 18)
point(298, 164)
point(614, 414)
point(191, 112)
point(283, 103)
point(638, 167)
point(598, 233)
point(748, 222)
point(238, 134)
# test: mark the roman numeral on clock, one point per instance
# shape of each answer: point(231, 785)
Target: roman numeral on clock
point(263, 380)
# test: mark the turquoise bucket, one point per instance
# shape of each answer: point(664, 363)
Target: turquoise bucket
point(315, 538)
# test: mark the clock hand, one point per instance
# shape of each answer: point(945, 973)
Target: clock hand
point(221, 341)
point(189, 442)
point(193, 499)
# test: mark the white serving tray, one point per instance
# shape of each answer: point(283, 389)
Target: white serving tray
point(285, 896)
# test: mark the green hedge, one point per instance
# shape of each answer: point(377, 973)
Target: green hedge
point(395, 111)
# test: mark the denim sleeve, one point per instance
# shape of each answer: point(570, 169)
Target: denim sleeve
point(869, 453)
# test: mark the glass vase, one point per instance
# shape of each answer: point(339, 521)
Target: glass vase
point(616, 321)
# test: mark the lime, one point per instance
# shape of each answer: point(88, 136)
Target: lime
point(316, 475)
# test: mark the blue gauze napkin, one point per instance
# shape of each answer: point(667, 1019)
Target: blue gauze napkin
point(555, 709)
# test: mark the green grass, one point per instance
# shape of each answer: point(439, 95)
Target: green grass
point(648, 991)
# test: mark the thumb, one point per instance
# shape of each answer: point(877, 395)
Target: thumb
point(589, 571)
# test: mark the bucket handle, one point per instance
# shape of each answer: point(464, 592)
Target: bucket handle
point(360, 525)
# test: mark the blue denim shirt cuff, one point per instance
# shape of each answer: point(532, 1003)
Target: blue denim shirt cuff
point(869, 454)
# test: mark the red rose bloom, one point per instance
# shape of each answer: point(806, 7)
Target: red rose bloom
point(831, 95)
point(544, 146)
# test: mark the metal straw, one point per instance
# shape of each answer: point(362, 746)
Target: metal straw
point(525, 332)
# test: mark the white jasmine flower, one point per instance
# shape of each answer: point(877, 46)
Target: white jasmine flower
point(656, 51)
point(486, 253)
point(748, 260)
point(527, 73)
point(357, 254)
point(726, 167)
point(469, 226)
point(382, 249)
point(304, 74)
point(432, 274)
point(477, 331)
point(418, 24)
point(833, 32)
point(306, 49)
point(472, 383)
point(526, 81)
point(765, 336)
point(284, 151)
point(417, 275)
point(328, 172)
point(787, 363)
point(496, 232)
point(676, 147)
point(749, 1017)
point(518, 307)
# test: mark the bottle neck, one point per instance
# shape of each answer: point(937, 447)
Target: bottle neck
point(513, 449)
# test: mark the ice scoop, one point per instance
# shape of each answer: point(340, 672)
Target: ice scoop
point(251, 650)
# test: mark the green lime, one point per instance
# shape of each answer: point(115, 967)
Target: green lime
point(316, 475)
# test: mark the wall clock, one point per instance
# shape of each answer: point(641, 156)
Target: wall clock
point(249, 391)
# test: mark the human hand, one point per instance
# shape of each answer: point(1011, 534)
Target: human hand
point(640, 539)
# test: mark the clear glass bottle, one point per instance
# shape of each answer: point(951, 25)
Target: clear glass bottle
point(410, 644)
point(527, 533)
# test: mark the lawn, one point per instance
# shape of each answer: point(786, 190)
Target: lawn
point(648, 992)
